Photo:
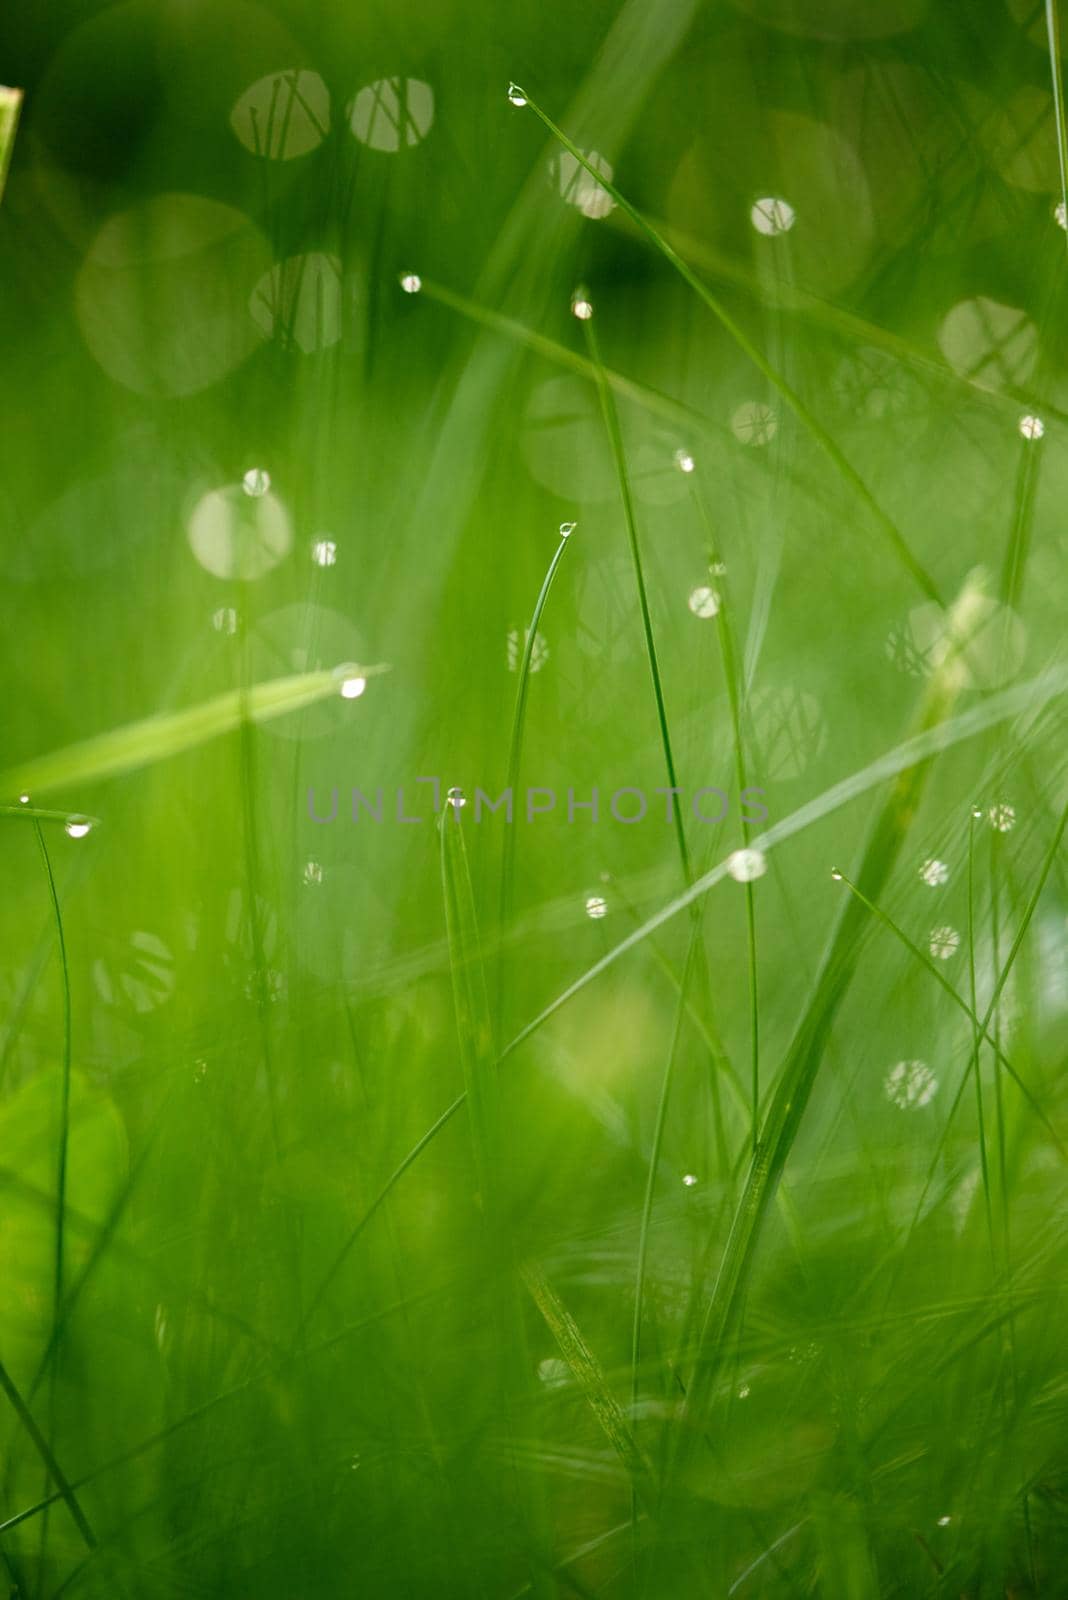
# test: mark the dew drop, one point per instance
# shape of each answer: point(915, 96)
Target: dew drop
point(78, 827)
point(1002, 818)
point(596, 906)
point(743, 1391)
point(745, 866)
point(1060, 215)
point(934, 873)
point(455, 798)
point(690, 1180)
point(24, 799)
point(977, 813)
point(1032, 427)
point(684, 461)
point(411, 282)
point(516, 96)
point(256, 482)
point(771, 216)
point(313, 872)
point(324, 553)
point(944, 1522)
point(581, 306)
point(836, 875)
point(703, 601)
point(224, 620)
point(567, 529)
point(352, 684)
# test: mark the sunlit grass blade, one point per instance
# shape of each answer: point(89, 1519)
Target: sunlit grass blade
point(10, 102)
point(169, 733)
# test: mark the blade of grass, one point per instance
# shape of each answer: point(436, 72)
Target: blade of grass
point(788, 394)
point(143, 743)
point(515, 750)
point(10, 103)
point(589, 1374)
point(615, 439)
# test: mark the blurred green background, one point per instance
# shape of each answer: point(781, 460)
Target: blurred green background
point(232, 1365)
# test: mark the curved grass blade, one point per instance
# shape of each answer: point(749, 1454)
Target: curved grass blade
point(169, 733)
point(515, 743)
point(786, 391)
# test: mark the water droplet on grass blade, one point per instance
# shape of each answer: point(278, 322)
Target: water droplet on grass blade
point(324, 553)
point(411, 282)
point(567, 529)
point(690, 1180)
point(703, 601)
point(352, 684)
point(77, 827)
point(944, 943)
point(745, 866)
point(581, 305)
point(596, 906)
point(256, 482)
point(1032, 427)
point(684, 461)
point(516, 95)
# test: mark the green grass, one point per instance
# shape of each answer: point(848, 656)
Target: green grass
point(449, 1207)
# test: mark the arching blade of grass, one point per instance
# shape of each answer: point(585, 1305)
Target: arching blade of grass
point(169, 733)
point(788, 394)
point(801, 1066)
point(515, 748)
point(10, 102)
